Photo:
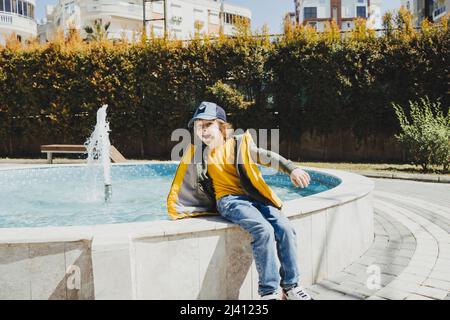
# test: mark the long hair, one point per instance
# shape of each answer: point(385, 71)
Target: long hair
point(226, 129)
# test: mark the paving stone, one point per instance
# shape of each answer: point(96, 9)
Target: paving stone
point(403, 285)
point(392, 294)
point(409, 246)
point(438, 284)
point(356, 269)
point(431, 292)
point(405, 252)
point(439, 275)
point(330, 296)
point(392, 269)
point(425, 258)
point(341, 277)
point(386, 278)
point(413, 278)
point(442, 263)
point(417, 297)
point(367, 260)
point(350, 297)
point(422, 264)
point(375, 298)
point(418, 270)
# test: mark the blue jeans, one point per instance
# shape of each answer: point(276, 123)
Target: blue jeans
point(272, 235)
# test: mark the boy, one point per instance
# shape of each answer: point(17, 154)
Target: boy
point(231, 182)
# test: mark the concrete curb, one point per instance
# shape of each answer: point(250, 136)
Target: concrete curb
point(405, 176)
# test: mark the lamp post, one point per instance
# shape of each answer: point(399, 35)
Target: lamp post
point(146, 19)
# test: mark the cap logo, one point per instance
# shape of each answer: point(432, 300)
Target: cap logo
point(201, 109)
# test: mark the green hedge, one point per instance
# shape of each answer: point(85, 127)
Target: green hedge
point(301, 82)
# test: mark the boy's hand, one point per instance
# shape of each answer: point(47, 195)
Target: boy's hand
point(300, 178)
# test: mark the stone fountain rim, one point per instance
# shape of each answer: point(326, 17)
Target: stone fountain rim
point(351, 188)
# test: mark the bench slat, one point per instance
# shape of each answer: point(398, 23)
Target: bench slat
point(115, 155)
point(63, 147)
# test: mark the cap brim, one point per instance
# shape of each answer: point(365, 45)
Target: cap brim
point(202, 117)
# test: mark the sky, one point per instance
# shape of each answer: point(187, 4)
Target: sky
point(270, 12)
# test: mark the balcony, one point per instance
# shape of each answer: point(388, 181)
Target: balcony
point(12, 22)
point(5, 19)
point(115, 8)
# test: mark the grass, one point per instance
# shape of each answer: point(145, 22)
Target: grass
point(375, 167)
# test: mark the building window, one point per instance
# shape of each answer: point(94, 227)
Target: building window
point(1, 6)
point(230, 18)
point(8, 5)
point(20, 9)
point(361, 12)
point(310, 13)
point(227, 18)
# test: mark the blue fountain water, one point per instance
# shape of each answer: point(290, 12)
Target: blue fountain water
point(64, 196)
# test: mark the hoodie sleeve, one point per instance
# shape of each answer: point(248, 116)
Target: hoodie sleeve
point(271, 159)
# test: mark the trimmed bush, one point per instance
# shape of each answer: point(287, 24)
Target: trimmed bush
point(302, 82)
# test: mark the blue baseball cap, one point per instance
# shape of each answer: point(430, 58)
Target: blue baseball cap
point(208, 111)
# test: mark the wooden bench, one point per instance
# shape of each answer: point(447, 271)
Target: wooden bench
point(50, 149)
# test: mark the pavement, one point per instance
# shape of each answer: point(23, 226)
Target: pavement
point(410, 254)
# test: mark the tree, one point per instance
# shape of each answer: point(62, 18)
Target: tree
point(98, 32)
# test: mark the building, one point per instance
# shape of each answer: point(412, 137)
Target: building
point(433, 10)
point(184, 17)
point(317, 13)
point(17, 16)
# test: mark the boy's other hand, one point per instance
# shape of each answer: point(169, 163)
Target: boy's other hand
point(300, 178)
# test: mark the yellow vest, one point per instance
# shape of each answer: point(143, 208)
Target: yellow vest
point(187, 198)
point(222, 170)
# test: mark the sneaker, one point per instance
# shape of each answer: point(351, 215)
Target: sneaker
point(297, 293)
point(271, 296)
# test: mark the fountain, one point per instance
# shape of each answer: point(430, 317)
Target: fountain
point(54, 221)
point(98, 148)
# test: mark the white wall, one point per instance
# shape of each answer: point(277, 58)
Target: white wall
point(126, 18)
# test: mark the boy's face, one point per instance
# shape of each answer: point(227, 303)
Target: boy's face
point(208, 131)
